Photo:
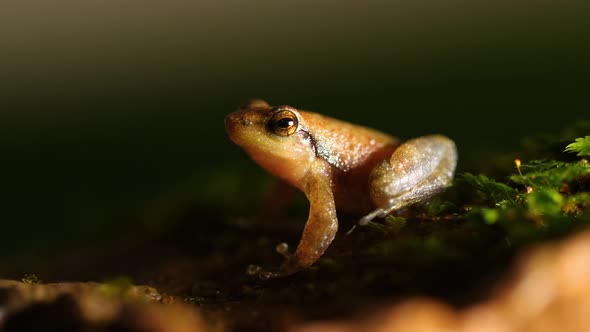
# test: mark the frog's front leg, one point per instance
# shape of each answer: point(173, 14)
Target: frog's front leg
point(320, 229)
point(417, 170)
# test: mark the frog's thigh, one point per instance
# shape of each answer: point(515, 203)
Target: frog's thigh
point(417, 170)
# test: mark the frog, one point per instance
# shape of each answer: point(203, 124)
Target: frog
point(340, 167)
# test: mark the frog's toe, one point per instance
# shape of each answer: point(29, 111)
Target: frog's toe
point(283, 250)
point(265, 275)
point(253, 270)
point(377, 213)
point(258, 271)
point(288, 267)
point(381, 212)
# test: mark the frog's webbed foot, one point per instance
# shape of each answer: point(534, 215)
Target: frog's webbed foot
point(416, 171)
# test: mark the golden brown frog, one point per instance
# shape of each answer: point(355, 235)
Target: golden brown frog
point(338, 165)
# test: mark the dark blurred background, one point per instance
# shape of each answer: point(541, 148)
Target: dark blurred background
point(109, 108)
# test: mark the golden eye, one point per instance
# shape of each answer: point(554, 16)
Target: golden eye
point(283, 123)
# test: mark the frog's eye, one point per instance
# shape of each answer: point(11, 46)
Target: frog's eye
point(283, 123)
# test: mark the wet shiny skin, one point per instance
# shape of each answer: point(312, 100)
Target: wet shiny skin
point(338, 165)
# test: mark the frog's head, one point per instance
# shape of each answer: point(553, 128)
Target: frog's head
point(275, 137)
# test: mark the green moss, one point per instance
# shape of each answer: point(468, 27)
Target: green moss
point(490, 216)
point(544, 174)
point(486, 190)
point(581, 146)
point(390, 224)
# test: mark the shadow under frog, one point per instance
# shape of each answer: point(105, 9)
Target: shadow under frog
point(338, 165)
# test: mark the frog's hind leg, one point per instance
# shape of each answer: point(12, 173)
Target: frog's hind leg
point(417, 170)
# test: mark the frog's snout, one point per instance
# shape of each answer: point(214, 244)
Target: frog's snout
point(235, 120)
point(236, 125)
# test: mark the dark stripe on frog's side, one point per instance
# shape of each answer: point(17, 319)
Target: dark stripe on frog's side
point(308, 136)
point(319, 151)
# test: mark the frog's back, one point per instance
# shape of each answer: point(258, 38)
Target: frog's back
point(344, 145)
